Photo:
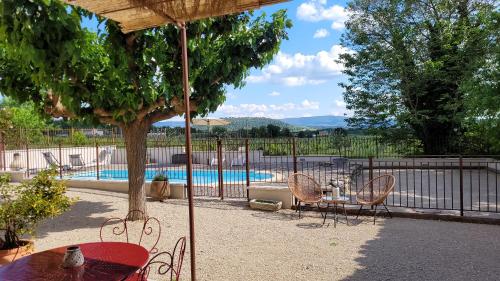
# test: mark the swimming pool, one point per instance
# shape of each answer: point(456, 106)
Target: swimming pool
point(200, 177)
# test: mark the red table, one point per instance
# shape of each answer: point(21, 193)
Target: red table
point(103, 261)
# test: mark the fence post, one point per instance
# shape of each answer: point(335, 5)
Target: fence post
point(97, 159)
point(2, 150)
point(60, 161)
point(461, 166)
point(27, 161)
point(247, 166)
point(370, 176)
point(219, 168)
point(294, 155)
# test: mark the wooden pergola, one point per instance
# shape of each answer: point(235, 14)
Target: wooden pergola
point(133, 15)
point(142, 14)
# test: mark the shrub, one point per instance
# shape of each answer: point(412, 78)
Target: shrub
point(23, 206)
point(78, 138)
point(160, 177)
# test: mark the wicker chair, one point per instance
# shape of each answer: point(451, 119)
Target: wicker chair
point(375, 192)
point(306, 190)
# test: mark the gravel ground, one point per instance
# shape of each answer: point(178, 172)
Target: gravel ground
point(236, 243)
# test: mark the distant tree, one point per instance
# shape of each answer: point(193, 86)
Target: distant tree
point(24, 115)
point(340, 131)
point(285, 132)
point(262, 132)
point(219, 131)
point(21, 123)
point(273, 131)
point(5, 119)
point(128, 80)
point(408, 61)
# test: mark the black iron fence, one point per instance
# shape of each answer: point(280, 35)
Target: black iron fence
point(226, 167)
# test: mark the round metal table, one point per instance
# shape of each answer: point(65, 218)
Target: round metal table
point(103, 261)
point(335, 201)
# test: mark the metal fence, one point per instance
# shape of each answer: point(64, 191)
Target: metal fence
point(226, 167)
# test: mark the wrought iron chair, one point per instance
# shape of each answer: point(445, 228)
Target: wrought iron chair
point(306, 190)
point(165, 263)
point(148, 228)
point(375, 192)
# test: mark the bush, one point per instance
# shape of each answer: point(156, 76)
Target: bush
point(160, 177)
point(24, 206)
point(78, 138)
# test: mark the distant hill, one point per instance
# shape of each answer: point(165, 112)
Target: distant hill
point(318, 122)
point(250, 122)
point(237, 123)
point(168, 123)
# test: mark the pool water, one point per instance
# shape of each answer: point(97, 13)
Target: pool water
point(200, 177)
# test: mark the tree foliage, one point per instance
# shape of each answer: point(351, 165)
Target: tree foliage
point(23, 115)
point(409, 61)
point(120, 78)
point(129, 80)
point(482, 93)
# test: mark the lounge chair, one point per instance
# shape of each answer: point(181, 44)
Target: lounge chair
point(338, 163)
point(104, 158)
point(76, 161)
point(375, 192)
point(215, 161)
point(239, 161)
point(52, 161)
point(306, 190)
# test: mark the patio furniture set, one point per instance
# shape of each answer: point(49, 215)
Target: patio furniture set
point(308, 191)
point(76, 161)
point(104, 260)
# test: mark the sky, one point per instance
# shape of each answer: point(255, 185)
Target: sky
point(303, 78)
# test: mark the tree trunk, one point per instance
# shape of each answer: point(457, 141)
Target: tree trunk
point(135, 141)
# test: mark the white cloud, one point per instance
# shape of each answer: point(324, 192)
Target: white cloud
point(299, 69)
point(321, 33)
point(337, 25)
point(274, 94)
point(317, 10)
point(306, 104)
point(338, 108)
point(268, 110)
point(340, 103)
point(230, 96)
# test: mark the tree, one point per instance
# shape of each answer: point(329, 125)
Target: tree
point(24, 115)
point(482, 93)
point(273, 131)
point(129, 80)
point(285, 132)
point(407, 62)
point(22, 123)
point(219, 131)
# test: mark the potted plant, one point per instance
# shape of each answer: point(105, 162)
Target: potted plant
point(160, 188)
point(16, 163)
point(23, 206)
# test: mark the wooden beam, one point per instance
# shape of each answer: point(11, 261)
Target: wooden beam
point(132, 15)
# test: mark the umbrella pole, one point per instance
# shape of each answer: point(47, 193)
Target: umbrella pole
point(189, 165)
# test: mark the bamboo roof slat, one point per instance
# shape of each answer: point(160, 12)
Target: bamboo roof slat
point(135, 15)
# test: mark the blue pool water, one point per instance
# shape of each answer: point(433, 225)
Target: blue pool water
point(200, 177)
